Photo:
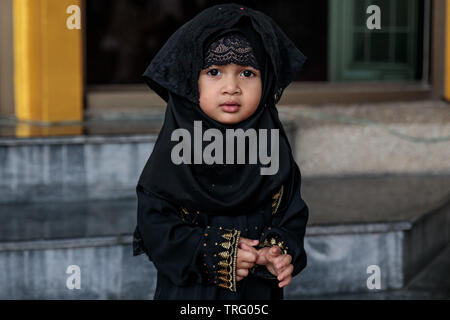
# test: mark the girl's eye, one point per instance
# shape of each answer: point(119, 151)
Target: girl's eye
point(248, 73)
point(213, 72)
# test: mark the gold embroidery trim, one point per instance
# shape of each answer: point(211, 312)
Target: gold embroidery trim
point(183, 213)
point(277, 200)
point(227, 273)
point(228, 261)
point(269, 242)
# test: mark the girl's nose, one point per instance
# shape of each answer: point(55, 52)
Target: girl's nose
point(231, 86)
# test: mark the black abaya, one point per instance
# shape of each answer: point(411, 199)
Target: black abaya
point(191, 216)
point(185, 246)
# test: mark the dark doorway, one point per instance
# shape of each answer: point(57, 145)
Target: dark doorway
point(123, 36)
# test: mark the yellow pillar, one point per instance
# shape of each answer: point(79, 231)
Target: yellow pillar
point(48, 73)
point(447, 52)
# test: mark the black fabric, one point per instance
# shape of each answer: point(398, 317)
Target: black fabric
point(174, 242)
point(219, 189)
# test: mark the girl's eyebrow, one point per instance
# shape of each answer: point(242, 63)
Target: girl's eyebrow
point(211, 67)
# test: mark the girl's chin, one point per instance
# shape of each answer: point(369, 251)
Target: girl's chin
point(227, 121)
point(230, 118)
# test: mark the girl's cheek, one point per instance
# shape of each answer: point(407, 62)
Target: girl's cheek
point(204, 102)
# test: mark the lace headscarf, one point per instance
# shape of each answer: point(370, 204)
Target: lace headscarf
point(232, 48)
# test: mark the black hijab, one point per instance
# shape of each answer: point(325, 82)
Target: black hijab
point(219, 189)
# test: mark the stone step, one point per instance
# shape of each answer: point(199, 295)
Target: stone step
point(72, 168)
point(398, 223)
point(410, 137)
point(103, 163)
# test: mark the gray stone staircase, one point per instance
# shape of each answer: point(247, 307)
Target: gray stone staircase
point(70, 200)
point(397, 223)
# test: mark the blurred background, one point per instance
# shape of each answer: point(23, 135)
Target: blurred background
point(368, 119)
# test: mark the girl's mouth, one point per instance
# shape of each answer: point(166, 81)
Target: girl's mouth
point(230, 107)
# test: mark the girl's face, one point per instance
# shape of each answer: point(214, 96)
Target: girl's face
point(222, 86)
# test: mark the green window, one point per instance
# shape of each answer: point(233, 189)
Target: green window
point(357, 53)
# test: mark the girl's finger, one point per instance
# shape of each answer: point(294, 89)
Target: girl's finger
point(285, 273)
point(282, 269)
point(279, 263)
point(261, 257)
point(248, 241)
point(282, 261)
point(285, 282)
point(248, 248)
point(244, 265)
point(242, 272)
point(247, 255)
point(287, 258)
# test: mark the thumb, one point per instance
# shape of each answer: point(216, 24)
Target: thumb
point(244, 246)
point(274, 251)
point(271, 254)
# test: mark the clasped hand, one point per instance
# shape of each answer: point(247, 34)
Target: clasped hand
point(276, 263)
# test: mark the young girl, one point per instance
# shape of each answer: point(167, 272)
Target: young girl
point(216, 227)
